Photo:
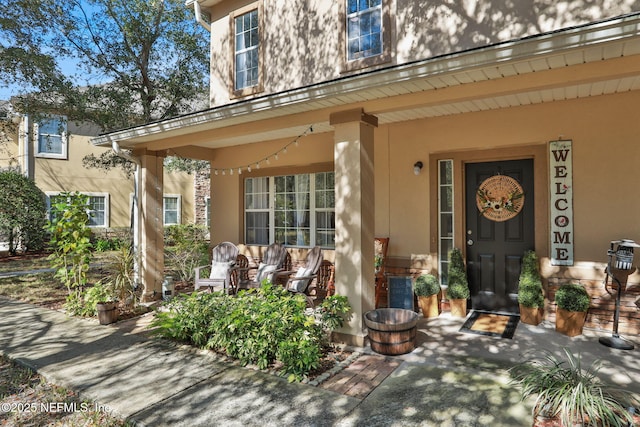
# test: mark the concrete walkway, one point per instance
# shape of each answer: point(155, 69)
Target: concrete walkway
point(451, 379)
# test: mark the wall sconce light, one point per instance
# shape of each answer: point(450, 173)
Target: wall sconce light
point(417, 167)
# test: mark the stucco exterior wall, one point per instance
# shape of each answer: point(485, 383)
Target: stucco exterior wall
point(302, 44)
point(604, 205)
point(56, 175)
point(604, 132)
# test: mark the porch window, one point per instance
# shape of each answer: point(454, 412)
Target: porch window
point(445, 216)
point(257, 212)
point(364, 28)
point(171, 209)
point(303, 211)
point(51, 136)
point(246, 48)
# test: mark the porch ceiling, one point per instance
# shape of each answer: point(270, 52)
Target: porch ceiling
point(593, 60)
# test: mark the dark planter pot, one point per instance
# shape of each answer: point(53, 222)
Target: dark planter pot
point(531, 315)
point(392, 331)
point(107, 312)
point(570, 323)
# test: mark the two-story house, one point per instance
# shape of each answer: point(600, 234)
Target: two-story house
point(50, 151)
point(493, 129)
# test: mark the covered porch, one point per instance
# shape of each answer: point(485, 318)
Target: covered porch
point(498, 103)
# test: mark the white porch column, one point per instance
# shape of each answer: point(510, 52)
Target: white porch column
point(355, 216)
point(152, 229)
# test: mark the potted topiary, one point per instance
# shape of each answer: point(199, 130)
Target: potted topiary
point(571, 311)
point(530, 292)
point(427, 289)
point(457, 285)
point(569, 395)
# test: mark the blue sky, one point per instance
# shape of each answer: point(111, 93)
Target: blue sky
point(68, 67)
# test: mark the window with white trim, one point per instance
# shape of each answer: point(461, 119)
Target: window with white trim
point(97, 207)
point(302, 213)
point(445, 216)
point(246, 50)
point(98, 210)
point(51, 137)
point(171, 209)
point(364, 29)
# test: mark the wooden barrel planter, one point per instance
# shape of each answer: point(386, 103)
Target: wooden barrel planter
point(392, 331)
point(107, 312)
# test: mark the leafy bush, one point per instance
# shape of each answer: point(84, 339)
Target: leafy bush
point(572, 297)
point(258, 326)
point(107, 244)
point(458, 287)
point(70, 241)
point(187, 247)
point(83, 302)
point(22, 212)
point(530, 292)
point(426, 285)
point(564, 388)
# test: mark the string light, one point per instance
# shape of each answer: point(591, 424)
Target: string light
point(295, 142)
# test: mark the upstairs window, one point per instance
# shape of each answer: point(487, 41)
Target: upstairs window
point(51, 137)
point(246, 26)
point(366, 37)
point(364, 28)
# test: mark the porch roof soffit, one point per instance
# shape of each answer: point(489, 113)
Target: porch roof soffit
point(555, 66)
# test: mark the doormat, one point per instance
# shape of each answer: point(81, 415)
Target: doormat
point(491, 324)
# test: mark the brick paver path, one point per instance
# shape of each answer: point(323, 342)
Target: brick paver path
point(362, 376)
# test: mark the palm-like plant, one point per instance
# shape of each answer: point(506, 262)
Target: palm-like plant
point(565, 389)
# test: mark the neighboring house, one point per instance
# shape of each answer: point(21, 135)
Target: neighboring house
point(494, 129)
point(50, 150)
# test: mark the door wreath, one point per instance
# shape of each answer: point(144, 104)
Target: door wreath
point(500, 198)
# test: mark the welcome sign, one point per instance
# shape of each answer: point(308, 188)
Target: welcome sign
point(561, 182)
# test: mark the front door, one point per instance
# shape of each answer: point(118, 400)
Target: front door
point(499, 229)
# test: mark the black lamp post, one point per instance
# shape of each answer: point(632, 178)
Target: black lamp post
point(623, 255)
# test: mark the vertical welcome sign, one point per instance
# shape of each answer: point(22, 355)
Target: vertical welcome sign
point(561, 182)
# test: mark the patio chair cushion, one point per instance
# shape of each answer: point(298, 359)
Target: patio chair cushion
point(220, 270)
point(301, 285)
point(265, 271)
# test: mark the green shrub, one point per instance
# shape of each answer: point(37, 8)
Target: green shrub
point(258, 326)
point(23, 212)
point(426, 284)
point(187, 247)
point(83, 302)
point(530, 292)
point(572, 297)
point(458, 286)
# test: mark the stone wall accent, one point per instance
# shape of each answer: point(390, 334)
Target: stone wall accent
point(202, 186)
